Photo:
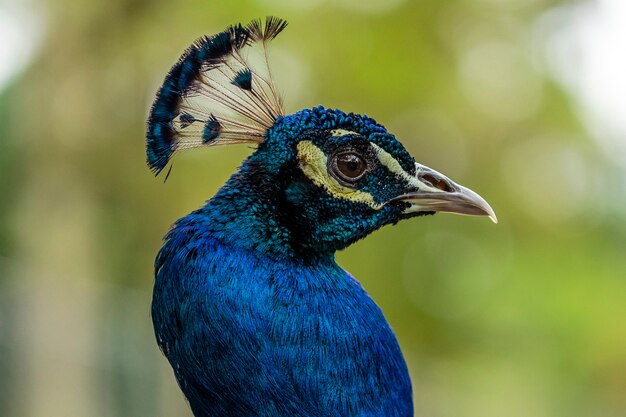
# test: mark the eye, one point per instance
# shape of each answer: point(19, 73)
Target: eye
point(348, 166)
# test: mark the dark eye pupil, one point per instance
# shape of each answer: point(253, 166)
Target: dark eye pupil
point(350, 165)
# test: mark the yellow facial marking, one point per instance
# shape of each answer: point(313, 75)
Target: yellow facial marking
point(313, 163)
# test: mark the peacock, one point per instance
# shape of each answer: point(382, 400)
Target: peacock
point(249, 306)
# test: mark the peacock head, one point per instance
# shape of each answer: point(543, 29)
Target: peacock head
point(330, 177)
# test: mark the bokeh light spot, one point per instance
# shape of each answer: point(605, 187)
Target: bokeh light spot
point(499, 82)
point(551, 182)
point(20, 34)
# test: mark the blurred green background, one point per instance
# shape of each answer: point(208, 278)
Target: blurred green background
point(517, 99)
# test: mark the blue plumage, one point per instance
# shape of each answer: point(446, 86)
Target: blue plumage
point(252, 335)
point(249, 306)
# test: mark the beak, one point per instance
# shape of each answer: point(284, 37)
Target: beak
point(436, 192)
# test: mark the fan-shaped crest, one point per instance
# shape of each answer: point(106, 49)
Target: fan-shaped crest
point(220, 91)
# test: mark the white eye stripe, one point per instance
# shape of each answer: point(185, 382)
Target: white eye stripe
point(342, 132)
point(314, 165)
point(394, 166)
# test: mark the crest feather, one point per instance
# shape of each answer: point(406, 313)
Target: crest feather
point(214, 95)
point(263, 33)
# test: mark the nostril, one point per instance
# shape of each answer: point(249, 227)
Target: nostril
point(439, 183)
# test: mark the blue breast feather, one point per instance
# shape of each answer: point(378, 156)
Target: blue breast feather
point(253, 336)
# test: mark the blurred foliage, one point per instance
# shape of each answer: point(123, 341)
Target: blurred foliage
point(523, 318)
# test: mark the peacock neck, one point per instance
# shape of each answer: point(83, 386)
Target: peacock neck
point(306, 321)
point(248, 212)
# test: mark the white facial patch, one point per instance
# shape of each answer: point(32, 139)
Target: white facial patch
point(393, 165)
point(341, 132)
